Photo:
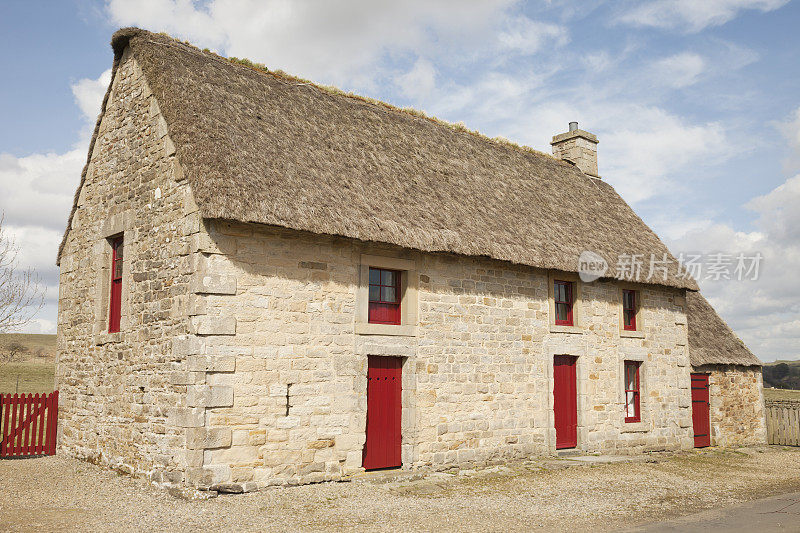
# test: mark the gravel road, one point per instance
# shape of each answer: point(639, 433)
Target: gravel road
point(62, 494)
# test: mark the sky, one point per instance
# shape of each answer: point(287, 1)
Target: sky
point(696, 106)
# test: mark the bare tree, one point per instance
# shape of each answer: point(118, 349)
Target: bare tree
point(21, 293)
point(12, 350)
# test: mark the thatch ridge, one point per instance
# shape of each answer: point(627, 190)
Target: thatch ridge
point(260, 147)
point(711, 340)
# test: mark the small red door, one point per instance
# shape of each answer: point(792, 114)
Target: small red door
point(384, 387)
point(565, 401)
point(700, 419)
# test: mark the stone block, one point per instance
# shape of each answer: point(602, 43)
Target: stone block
point(186, 417)
point(214, 325)
point(211, 363)
point(214, 284)
point(206, 396)
point(187, 345)
point(208, 438)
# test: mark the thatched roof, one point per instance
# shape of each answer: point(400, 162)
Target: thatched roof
point(711, 341)
point(261, 147)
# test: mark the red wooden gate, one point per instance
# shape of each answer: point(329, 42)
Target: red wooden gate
point(565, 401)
point(384, 408)
point(700, 419)
point(29, 424)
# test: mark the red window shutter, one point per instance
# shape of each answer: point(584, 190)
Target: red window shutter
point(115, 305)
point(563, 296)
point(629, 310)
point(384, 296)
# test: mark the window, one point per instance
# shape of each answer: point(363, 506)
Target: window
point(562, 294)
point(632, 401)
point(629, 310)
point(115, 306)
point(384, 296)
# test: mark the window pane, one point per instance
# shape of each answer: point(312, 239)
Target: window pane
point(374, 276)
point(374, 293)
point(559, 290)
point(387, 277)
point(119, 249)
point(629, 318)
point(118, 269)
point(630, 404)
point(561, 312)
point(388, 294)
point(630, 377)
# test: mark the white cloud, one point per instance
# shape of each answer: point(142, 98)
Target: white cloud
point(528, 36)
point(765, 312)
point(680, 70)
point(338, 42)
point(89, 94)
point(692, 15)
point(420, 81)
point(37, 196)
point(791, 130)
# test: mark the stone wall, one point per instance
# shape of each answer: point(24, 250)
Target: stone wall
point(116, 389)
point(737, 405)
point(477, 373)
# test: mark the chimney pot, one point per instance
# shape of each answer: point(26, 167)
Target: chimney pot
point(578, 147)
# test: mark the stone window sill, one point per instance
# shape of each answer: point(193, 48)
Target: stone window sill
point(635, 427)
point(385, 329)
point(107, 338)
point(632, 334)
point(572, 330)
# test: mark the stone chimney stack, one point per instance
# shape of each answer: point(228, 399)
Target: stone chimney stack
point(578, 147)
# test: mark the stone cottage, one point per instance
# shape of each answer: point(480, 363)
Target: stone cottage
point(264, 281)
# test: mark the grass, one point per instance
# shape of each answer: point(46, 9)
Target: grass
point(34, 370)
point(35, 375)
point(31, 341)
point(781, 394)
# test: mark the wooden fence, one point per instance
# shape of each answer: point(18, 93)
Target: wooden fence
point(783, 422)
point(28, 424)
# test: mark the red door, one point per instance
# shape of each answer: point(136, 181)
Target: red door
point(384, 387)
point(700, 418)
point(565, 401)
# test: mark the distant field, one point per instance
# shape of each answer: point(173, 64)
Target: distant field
point(781, 394)
point(34, 376)
point(34, 343)
point(34, 369)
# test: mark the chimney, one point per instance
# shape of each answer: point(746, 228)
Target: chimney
point(578, 147)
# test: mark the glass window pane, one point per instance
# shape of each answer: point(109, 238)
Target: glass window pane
point(561, 312)
point(119, 249)
point(388, 294)
point(559, 290)
point(388, 277)
point(630, 377)
point(117, 269)
point(630, 405)
point(374, 293)
point(374, 276)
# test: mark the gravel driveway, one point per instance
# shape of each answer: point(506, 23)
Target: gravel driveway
point(62, 494)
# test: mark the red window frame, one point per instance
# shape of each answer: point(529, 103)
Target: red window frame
point(632, 392)
point(563, 298)
point(115, 303)
point(629, 310)
point(383, 308)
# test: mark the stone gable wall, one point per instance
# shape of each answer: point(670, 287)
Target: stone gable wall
point(736, 412)
point(116, 389)
point(477, 376)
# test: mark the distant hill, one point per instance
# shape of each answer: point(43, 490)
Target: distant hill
point(782, 375)
point(38, 345)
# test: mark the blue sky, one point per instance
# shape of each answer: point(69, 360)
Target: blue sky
point(696, 105)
